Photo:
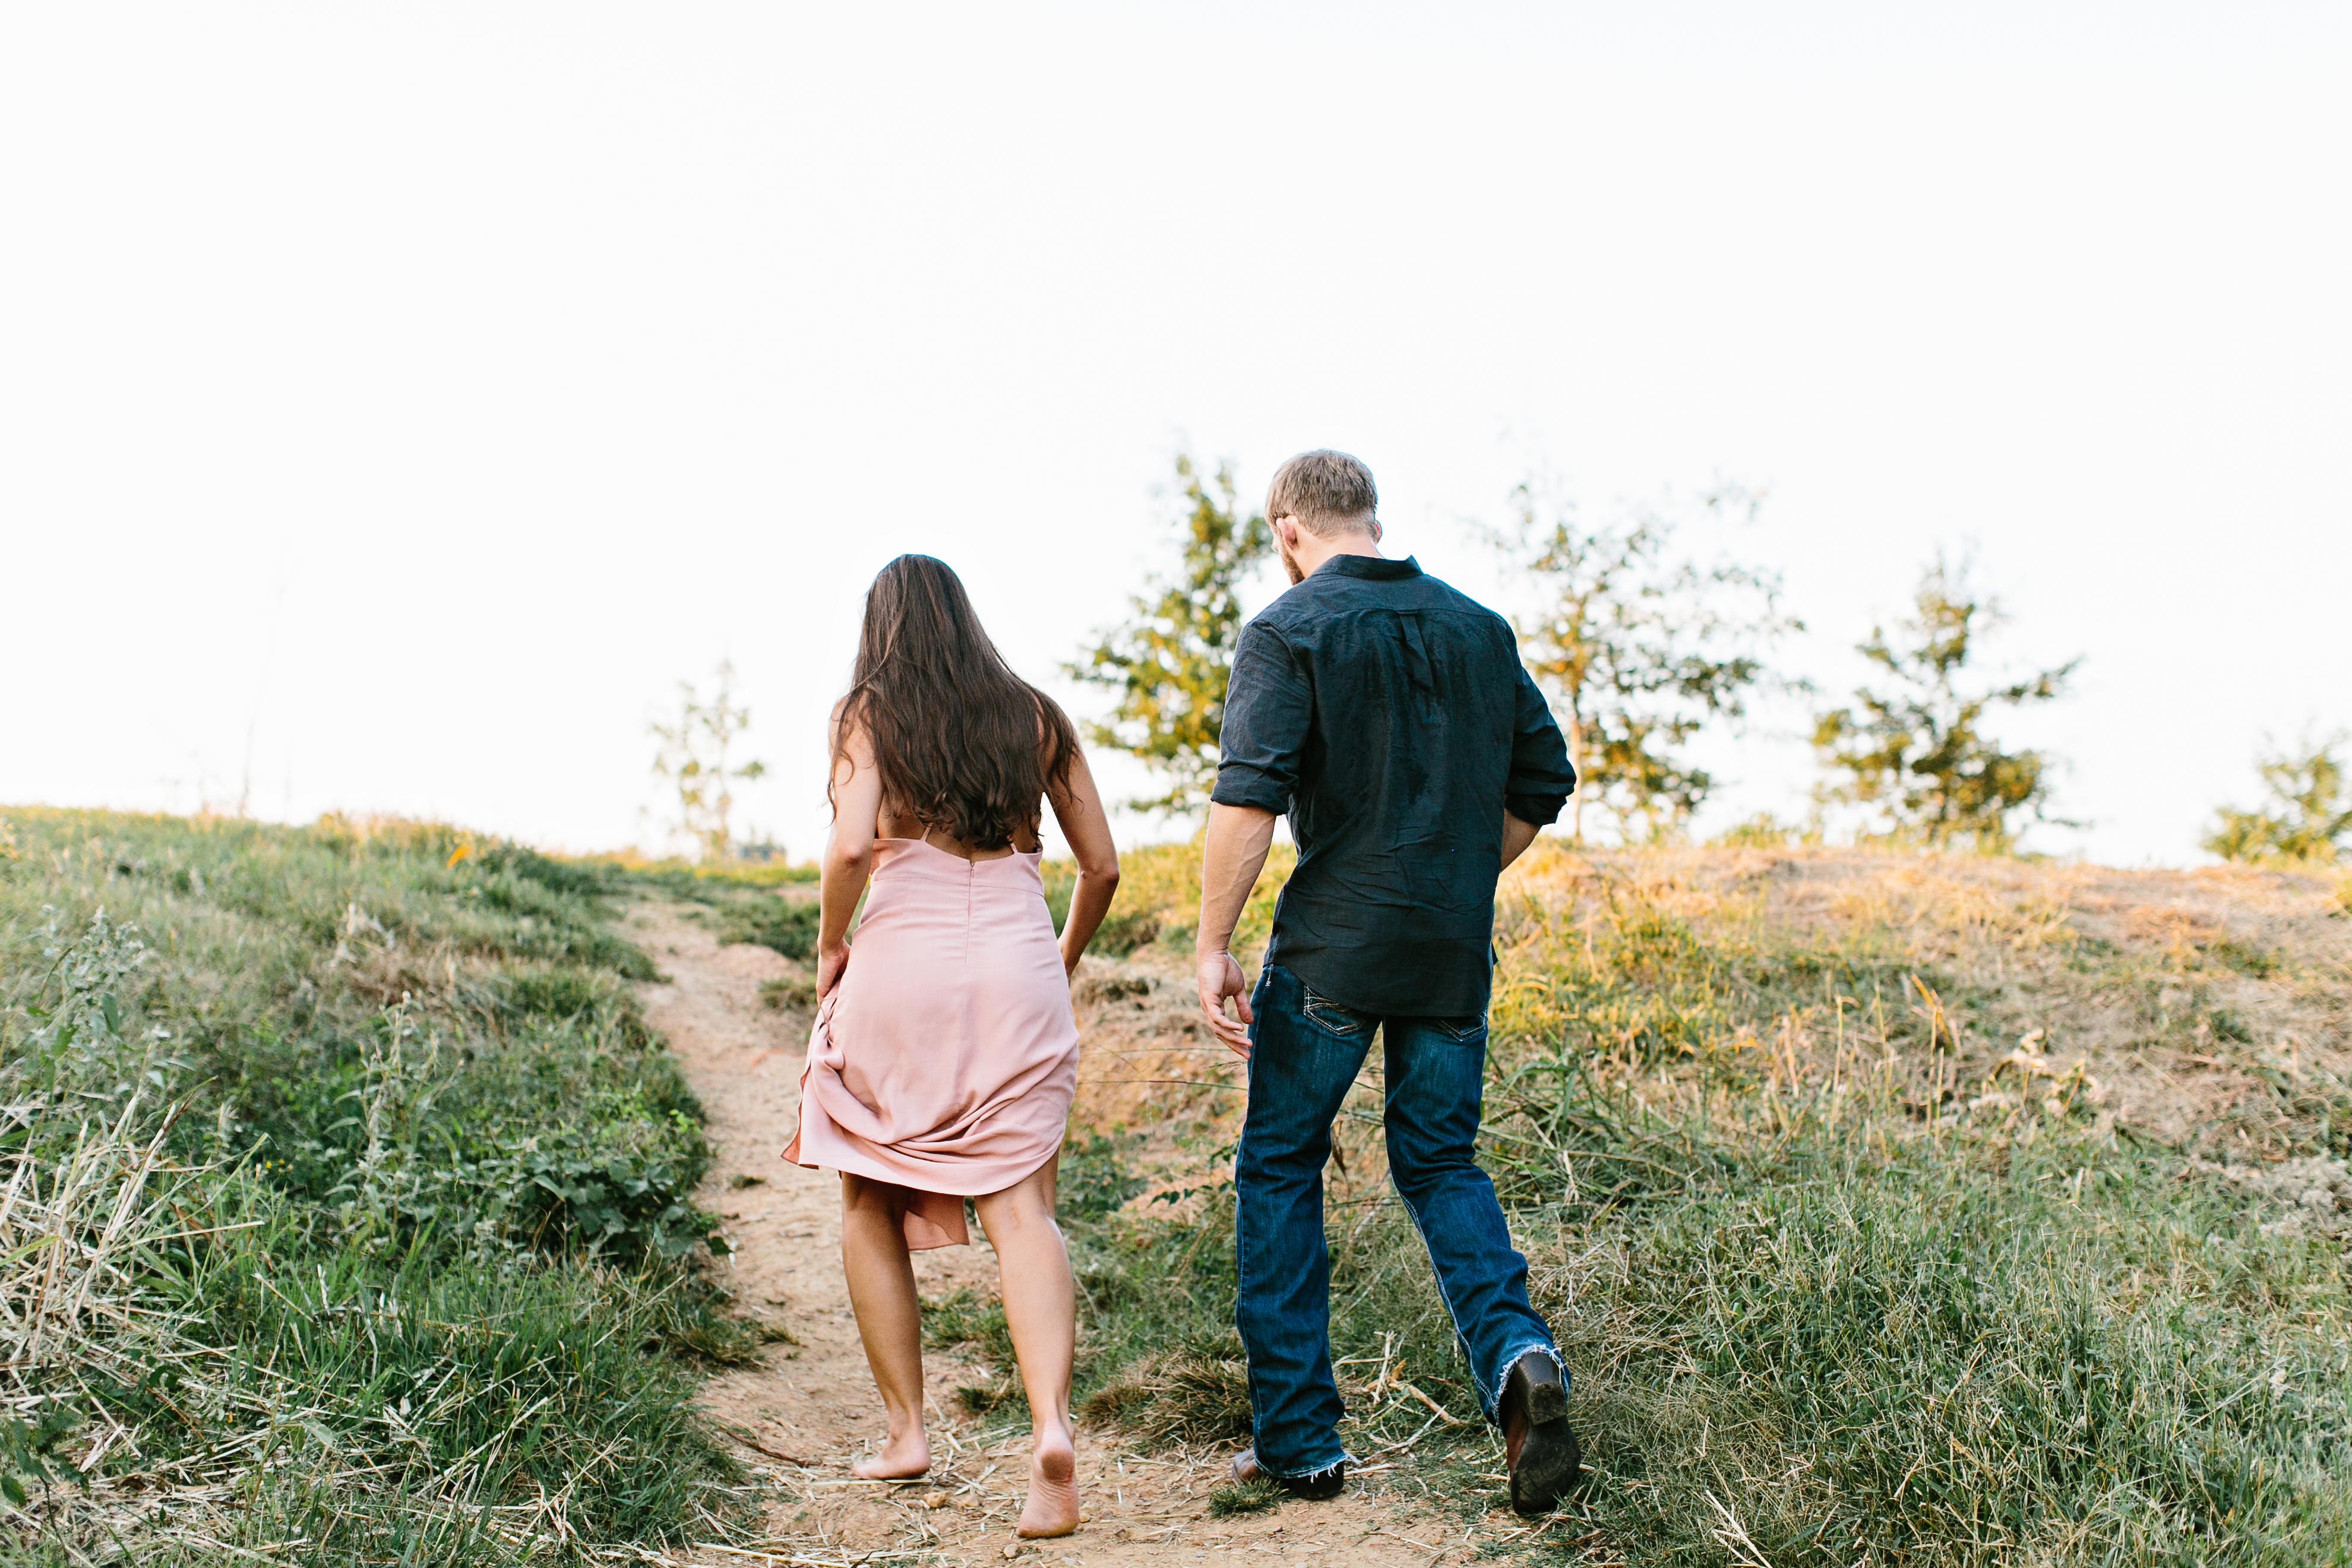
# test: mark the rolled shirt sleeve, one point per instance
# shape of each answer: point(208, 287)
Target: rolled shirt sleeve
point(1541, 778)
point(1269, 705)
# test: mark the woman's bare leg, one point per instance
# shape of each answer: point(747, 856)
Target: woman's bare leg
point(1040, 1309)
point(889, 1320)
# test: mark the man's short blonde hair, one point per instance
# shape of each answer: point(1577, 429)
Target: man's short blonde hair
point(1327, 492)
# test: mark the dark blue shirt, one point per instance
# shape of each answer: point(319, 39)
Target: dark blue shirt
point(1390, 717)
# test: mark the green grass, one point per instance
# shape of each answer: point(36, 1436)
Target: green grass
point(374, 1188)
point(1834, 1286)
point(681, 876)
point(1926, 1347)
point(788, 926)
point(1244, 1496)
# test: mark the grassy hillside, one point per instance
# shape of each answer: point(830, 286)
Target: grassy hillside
point(342, 1201)
point(1891, 1209)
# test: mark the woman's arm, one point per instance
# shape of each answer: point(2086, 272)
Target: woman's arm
point(1079, 809)
point(848, 852)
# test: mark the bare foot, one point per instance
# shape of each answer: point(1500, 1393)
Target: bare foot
point(902, 1458)
point(1052, 1505)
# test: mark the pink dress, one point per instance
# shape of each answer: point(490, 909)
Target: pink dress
point(944, 1061)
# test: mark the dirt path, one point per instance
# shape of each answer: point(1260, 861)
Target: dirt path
point(812, 1408)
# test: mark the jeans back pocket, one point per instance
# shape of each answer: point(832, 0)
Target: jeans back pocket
point(1336, 1017)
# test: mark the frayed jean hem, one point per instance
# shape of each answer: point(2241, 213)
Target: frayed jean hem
point(1494, 1403)
point(1312, 1476)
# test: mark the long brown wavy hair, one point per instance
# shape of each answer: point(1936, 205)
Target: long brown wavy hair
point(961, 742)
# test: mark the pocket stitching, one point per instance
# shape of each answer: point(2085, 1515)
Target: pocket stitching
point(1316, 1010)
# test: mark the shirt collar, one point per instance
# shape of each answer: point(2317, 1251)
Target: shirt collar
point(1370, 566)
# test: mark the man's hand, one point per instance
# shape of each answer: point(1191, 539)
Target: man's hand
point(1232, 851)
point(830, 963)
point(1220, 975)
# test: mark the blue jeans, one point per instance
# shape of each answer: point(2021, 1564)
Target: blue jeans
point(1305, 1053)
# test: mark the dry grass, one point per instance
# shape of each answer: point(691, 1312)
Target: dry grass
point(2187, 996)
point(83, 1213)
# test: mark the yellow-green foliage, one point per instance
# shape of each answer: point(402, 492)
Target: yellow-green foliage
point(1159, 898)
point(2308, 817)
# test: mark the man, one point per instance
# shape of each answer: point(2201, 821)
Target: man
point(1390, 717)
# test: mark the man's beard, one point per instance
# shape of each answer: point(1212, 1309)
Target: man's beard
point(1290, 562)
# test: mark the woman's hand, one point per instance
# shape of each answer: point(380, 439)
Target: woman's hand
point(830, 963)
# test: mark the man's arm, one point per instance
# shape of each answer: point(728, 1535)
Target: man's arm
point(1231, 858)
point(1517, 837)
point(1541, 777)
point(1269, 708)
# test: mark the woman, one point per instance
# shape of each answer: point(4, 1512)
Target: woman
point(943, 1058)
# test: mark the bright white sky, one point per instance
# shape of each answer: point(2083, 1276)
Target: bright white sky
point(396, 402)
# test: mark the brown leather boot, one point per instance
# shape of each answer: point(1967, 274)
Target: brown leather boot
point(1537, 1442)
point(1316, 1487)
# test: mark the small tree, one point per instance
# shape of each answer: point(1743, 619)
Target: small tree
point(1171, 663)
point(694, 756)
point(2308, 817)
point(1917, 752)
point(1639, 648)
